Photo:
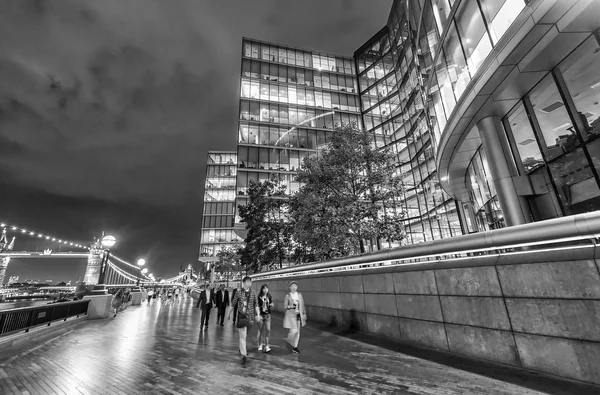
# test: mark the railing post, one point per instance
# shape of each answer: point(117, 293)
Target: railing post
point(67, 314)
point(29, 320)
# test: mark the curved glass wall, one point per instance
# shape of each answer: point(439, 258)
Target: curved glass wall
point(485, 208)
point(555, 135)
point(468, 38)
point(391, 68)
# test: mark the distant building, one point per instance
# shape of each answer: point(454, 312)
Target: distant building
point(219, 204)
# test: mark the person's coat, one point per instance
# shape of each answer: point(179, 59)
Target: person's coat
point(222, 298)
point(290, 315)
point(207, 303)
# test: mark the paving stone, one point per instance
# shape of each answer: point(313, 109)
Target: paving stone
point(160, 350)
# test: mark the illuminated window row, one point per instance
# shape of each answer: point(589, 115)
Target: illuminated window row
point(274, 53)
point(294, 75)
point(303, 96)
point(219, 236)
point(281, 137)
point(288, 115)
point(277, 159)
point(220, 158)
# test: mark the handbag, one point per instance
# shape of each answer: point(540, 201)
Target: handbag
point(243, 321)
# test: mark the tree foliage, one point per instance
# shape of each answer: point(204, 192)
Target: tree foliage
point(268, 243)
point(350, 194)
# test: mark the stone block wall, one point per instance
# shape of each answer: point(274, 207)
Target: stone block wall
point(539, 311)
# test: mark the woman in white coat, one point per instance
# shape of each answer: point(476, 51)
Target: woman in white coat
point(295, 315)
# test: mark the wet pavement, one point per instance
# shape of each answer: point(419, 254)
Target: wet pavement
point(160, 350)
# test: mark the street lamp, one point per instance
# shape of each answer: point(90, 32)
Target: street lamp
point(141, 262)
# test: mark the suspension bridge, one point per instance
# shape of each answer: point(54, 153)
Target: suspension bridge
point(103, 266)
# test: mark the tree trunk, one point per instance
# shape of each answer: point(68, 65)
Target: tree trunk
point(362, 244)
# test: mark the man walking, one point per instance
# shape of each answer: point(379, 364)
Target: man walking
point(222, 299)
point(247, 311)
point(205, 301)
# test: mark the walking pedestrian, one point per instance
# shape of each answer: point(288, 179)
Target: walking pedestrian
point(234, 306)
point(150, 294)
point(206, 300)
point(177, 294)
point(265, 302)
point(117, 301)
point(247, 311)
point(222, 299)
point(295, 315)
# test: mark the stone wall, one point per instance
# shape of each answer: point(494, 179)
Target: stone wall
point(539, 311)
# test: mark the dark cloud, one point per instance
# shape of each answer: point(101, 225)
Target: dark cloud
point(115, 103)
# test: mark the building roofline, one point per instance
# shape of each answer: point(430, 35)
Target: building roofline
point(369, 42)
point(316, 52)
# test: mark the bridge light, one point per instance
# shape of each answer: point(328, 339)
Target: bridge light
point(3, 225)
point(23, 230)
point(53, 239)
point(141, 262)
point(40, 235)
point(47, 237)
point(14, 228)
point(32, 233)
point(108, 241)
point(145, 270)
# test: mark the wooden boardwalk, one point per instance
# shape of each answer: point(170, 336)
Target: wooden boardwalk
point(160, 350)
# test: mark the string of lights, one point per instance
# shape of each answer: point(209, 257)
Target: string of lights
point(41, 235)
point(62, 242)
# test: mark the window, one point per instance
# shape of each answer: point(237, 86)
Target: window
point(456, 65)
point(555, 124)
point(474, 38)
point(500, 14)
point(441, 9)
point(525, 139)
point(576, 186)
point(581, 73)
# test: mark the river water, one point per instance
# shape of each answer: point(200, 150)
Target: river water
point(22, 303)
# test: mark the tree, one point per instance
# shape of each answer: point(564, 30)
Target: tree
point(229, 262)
point(268, 242)
point(351, 192)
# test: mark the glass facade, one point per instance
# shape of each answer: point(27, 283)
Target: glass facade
point(290, 99)
point(391, 69)
point(219, 203)
point(403, 86)
point(554, 133)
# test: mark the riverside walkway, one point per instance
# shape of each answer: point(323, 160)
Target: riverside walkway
point(160, 350)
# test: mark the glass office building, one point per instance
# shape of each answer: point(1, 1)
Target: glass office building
point(513, 88)
point(291, 99)
point(219, 204)
point(490, 106)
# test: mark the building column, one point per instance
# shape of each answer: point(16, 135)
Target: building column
point(3, 265)
point(502, 169)
point(94, 265)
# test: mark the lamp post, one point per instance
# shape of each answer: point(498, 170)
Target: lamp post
point(141, 262)
point(107, 242)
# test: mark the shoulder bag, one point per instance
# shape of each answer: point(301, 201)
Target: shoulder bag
point(243, 320)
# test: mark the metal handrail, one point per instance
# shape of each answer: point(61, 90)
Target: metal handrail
point(25, 318)
point(564, 229)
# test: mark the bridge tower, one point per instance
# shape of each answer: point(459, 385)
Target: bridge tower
point(94, 264)
point(5, 246)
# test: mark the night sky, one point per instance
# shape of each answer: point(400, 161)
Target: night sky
point(108, 108)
